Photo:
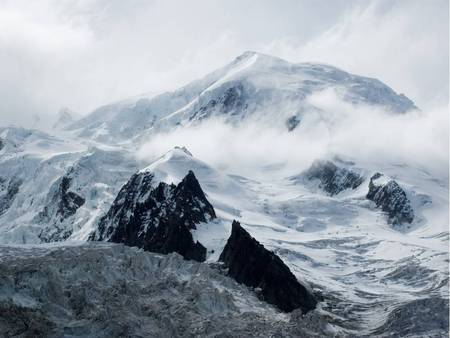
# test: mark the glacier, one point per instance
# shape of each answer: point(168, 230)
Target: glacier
point(374, 279)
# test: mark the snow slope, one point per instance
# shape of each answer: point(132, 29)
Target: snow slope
point(254, 86)
point(374, 279)
point(39, 162)
point(341, 244)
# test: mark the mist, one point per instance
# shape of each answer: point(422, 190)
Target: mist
point(83, 54)
point(368, 136)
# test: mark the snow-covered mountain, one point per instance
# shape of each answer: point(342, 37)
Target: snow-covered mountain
point(254, 86)
point(54, 187)
point(367, 237)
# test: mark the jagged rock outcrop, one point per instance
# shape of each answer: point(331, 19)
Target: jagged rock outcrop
point(62, 204)
point(333, 179)
point(391, 198)
point(230, 99)
point(69, 201)
point(157, 217)
point(8, 191)
point(292, 122)
point(249, 263)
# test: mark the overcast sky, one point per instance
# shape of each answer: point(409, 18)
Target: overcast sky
point(84, 53)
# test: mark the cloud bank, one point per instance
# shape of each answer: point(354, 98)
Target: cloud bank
point(84, 53)
point(370, 137)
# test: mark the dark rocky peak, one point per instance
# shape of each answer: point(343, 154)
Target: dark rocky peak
point(391, 198)
point(156, 216)
point(332, 179)
point(249, 263)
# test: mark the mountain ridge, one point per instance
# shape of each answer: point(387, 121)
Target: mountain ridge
point(252, 84)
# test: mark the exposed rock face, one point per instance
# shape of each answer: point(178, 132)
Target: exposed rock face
point(251, 264)
point(229, 99)
point(391, 198)
point(293, 122)
point(332, 178)
point(8, 192)
point(69, 201)
point(62, 204)
point(157, 217)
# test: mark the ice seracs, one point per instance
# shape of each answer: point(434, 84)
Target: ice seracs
point(110, 290)
point(332, 237)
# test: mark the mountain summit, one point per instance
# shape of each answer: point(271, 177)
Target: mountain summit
point(253, 85)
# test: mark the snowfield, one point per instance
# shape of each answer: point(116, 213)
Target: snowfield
point(373, 278)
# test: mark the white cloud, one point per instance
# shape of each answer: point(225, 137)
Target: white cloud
point(361, 133)
point(84, 53)
point(403, 43)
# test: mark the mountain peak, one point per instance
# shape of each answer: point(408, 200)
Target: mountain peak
point(247, 54)
point(259, 60)
point(250, 53)
point(252, 85)
point(182, 149)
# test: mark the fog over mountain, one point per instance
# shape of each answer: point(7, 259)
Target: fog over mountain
point(82, 54)
point(282, 173)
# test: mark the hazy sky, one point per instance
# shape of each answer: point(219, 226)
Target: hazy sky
point(84, 53)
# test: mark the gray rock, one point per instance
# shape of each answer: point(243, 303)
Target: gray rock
point(392, 199)
point(333, 179)
point(62, 204)
point(8, 191)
